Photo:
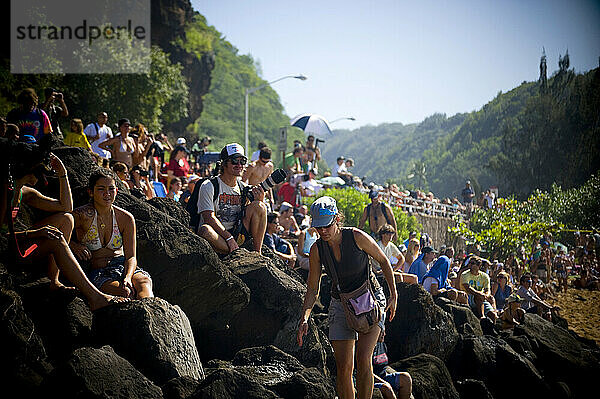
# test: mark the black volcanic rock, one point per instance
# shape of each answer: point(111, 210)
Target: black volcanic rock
point(101, 373)
point(153, 335)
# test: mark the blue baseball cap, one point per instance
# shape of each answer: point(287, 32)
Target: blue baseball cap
point(323, 212)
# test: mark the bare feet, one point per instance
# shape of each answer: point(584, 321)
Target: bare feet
point(57, 285)
point(107, 300)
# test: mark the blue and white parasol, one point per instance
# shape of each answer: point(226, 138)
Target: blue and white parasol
point(312, 124)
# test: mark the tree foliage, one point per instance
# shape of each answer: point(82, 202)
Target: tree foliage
point(223, 115)
point(514, 223)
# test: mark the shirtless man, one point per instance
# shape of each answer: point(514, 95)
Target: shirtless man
point(375, 213)
point(288, 221)
point(259, 170)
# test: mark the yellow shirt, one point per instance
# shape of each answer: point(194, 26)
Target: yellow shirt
point(479, 282)
point(78, 140)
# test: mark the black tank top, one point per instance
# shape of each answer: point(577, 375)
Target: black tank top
point(352, 268)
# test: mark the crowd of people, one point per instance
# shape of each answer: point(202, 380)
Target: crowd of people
point(94, 246)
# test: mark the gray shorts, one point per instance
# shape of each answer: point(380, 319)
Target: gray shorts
point(338, 328)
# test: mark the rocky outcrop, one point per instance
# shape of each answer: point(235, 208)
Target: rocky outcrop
point(465, 321)
point(101, 373)
point(153, 335)
point(272, 315)
point(263, 372)
point(431, 379)
point(559, 356)
point(486, 358)
point(420, 326)
point(169, 20)
point(24, 362)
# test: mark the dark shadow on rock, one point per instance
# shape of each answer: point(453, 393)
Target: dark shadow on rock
point(100, 373)
point(430, 377)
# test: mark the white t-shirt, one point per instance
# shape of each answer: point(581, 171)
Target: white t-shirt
point(104, 133)
point(391, 252)
point(228, 205)
point(428, 281)
point(339, 168)
point(312, 187)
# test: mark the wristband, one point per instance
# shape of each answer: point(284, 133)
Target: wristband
point(230, 238)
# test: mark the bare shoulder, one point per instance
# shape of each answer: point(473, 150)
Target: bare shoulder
point(30, 193)
point(85, 212)
point(270, 166)
point(122, 215)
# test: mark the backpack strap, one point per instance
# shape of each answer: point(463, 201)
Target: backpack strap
point(384, 209)
point(215, 184)
point(368, 211)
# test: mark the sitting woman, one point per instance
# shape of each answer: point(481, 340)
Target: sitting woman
point(512, 315)
point(306, 239)
point(501, 289)
point(76, 138)
point(174, 189)
point(391, 251)
point(106, 236)
point(412, 253)
point(48, 240)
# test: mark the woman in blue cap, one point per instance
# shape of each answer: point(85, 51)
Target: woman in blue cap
point(347, 251)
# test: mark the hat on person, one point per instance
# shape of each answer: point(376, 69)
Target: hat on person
point(468, 181)
point(373, 194)
point(427, 250)
point(285, 206)
point(323, 212)
point(341, 157)
point(181, 140)
point(27, 138)
point(232, 150)
point(513, 298)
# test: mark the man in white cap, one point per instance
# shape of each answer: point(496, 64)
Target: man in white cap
point(227, 218)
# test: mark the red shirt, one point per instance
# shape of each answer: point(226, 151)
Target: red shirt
point(180, 168)
point(288, 193)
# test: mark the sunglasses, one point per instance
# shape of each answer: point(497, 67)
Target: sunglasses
point(326, 227)
point(238, 161)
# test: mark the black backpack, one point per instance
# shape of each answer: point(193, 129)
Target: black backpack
point(192, 204)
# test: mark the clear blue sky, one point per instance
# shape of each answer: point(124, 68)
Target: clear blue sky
point(401, 61)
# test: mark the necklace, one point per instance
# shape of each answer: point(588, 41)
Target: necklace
point(102, 224)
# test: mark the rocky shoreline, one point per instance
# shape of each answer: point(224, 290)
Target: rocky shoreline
point(225, 328)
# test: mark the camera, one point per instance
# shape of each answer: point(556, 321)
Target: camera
point(276, 177)
point(143, 173)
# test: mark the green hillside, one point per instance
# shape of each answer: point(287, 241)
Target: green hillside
point(386, 152)
point(223, 115)
point(522, 140)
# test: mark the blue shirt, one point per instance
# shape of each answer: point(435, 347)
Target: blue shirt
point(419, 268)
point(276, 243)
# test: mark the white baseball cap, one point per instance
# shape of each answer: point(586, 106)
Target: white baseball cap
point(181, 140)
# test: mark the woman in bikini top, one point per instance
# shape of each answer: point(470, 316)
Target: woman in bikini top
point(121, 147)
point(106, 236)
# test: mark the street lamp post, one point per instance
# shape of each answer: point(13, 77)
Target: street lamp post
point(350, 118)
point(252, 90)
